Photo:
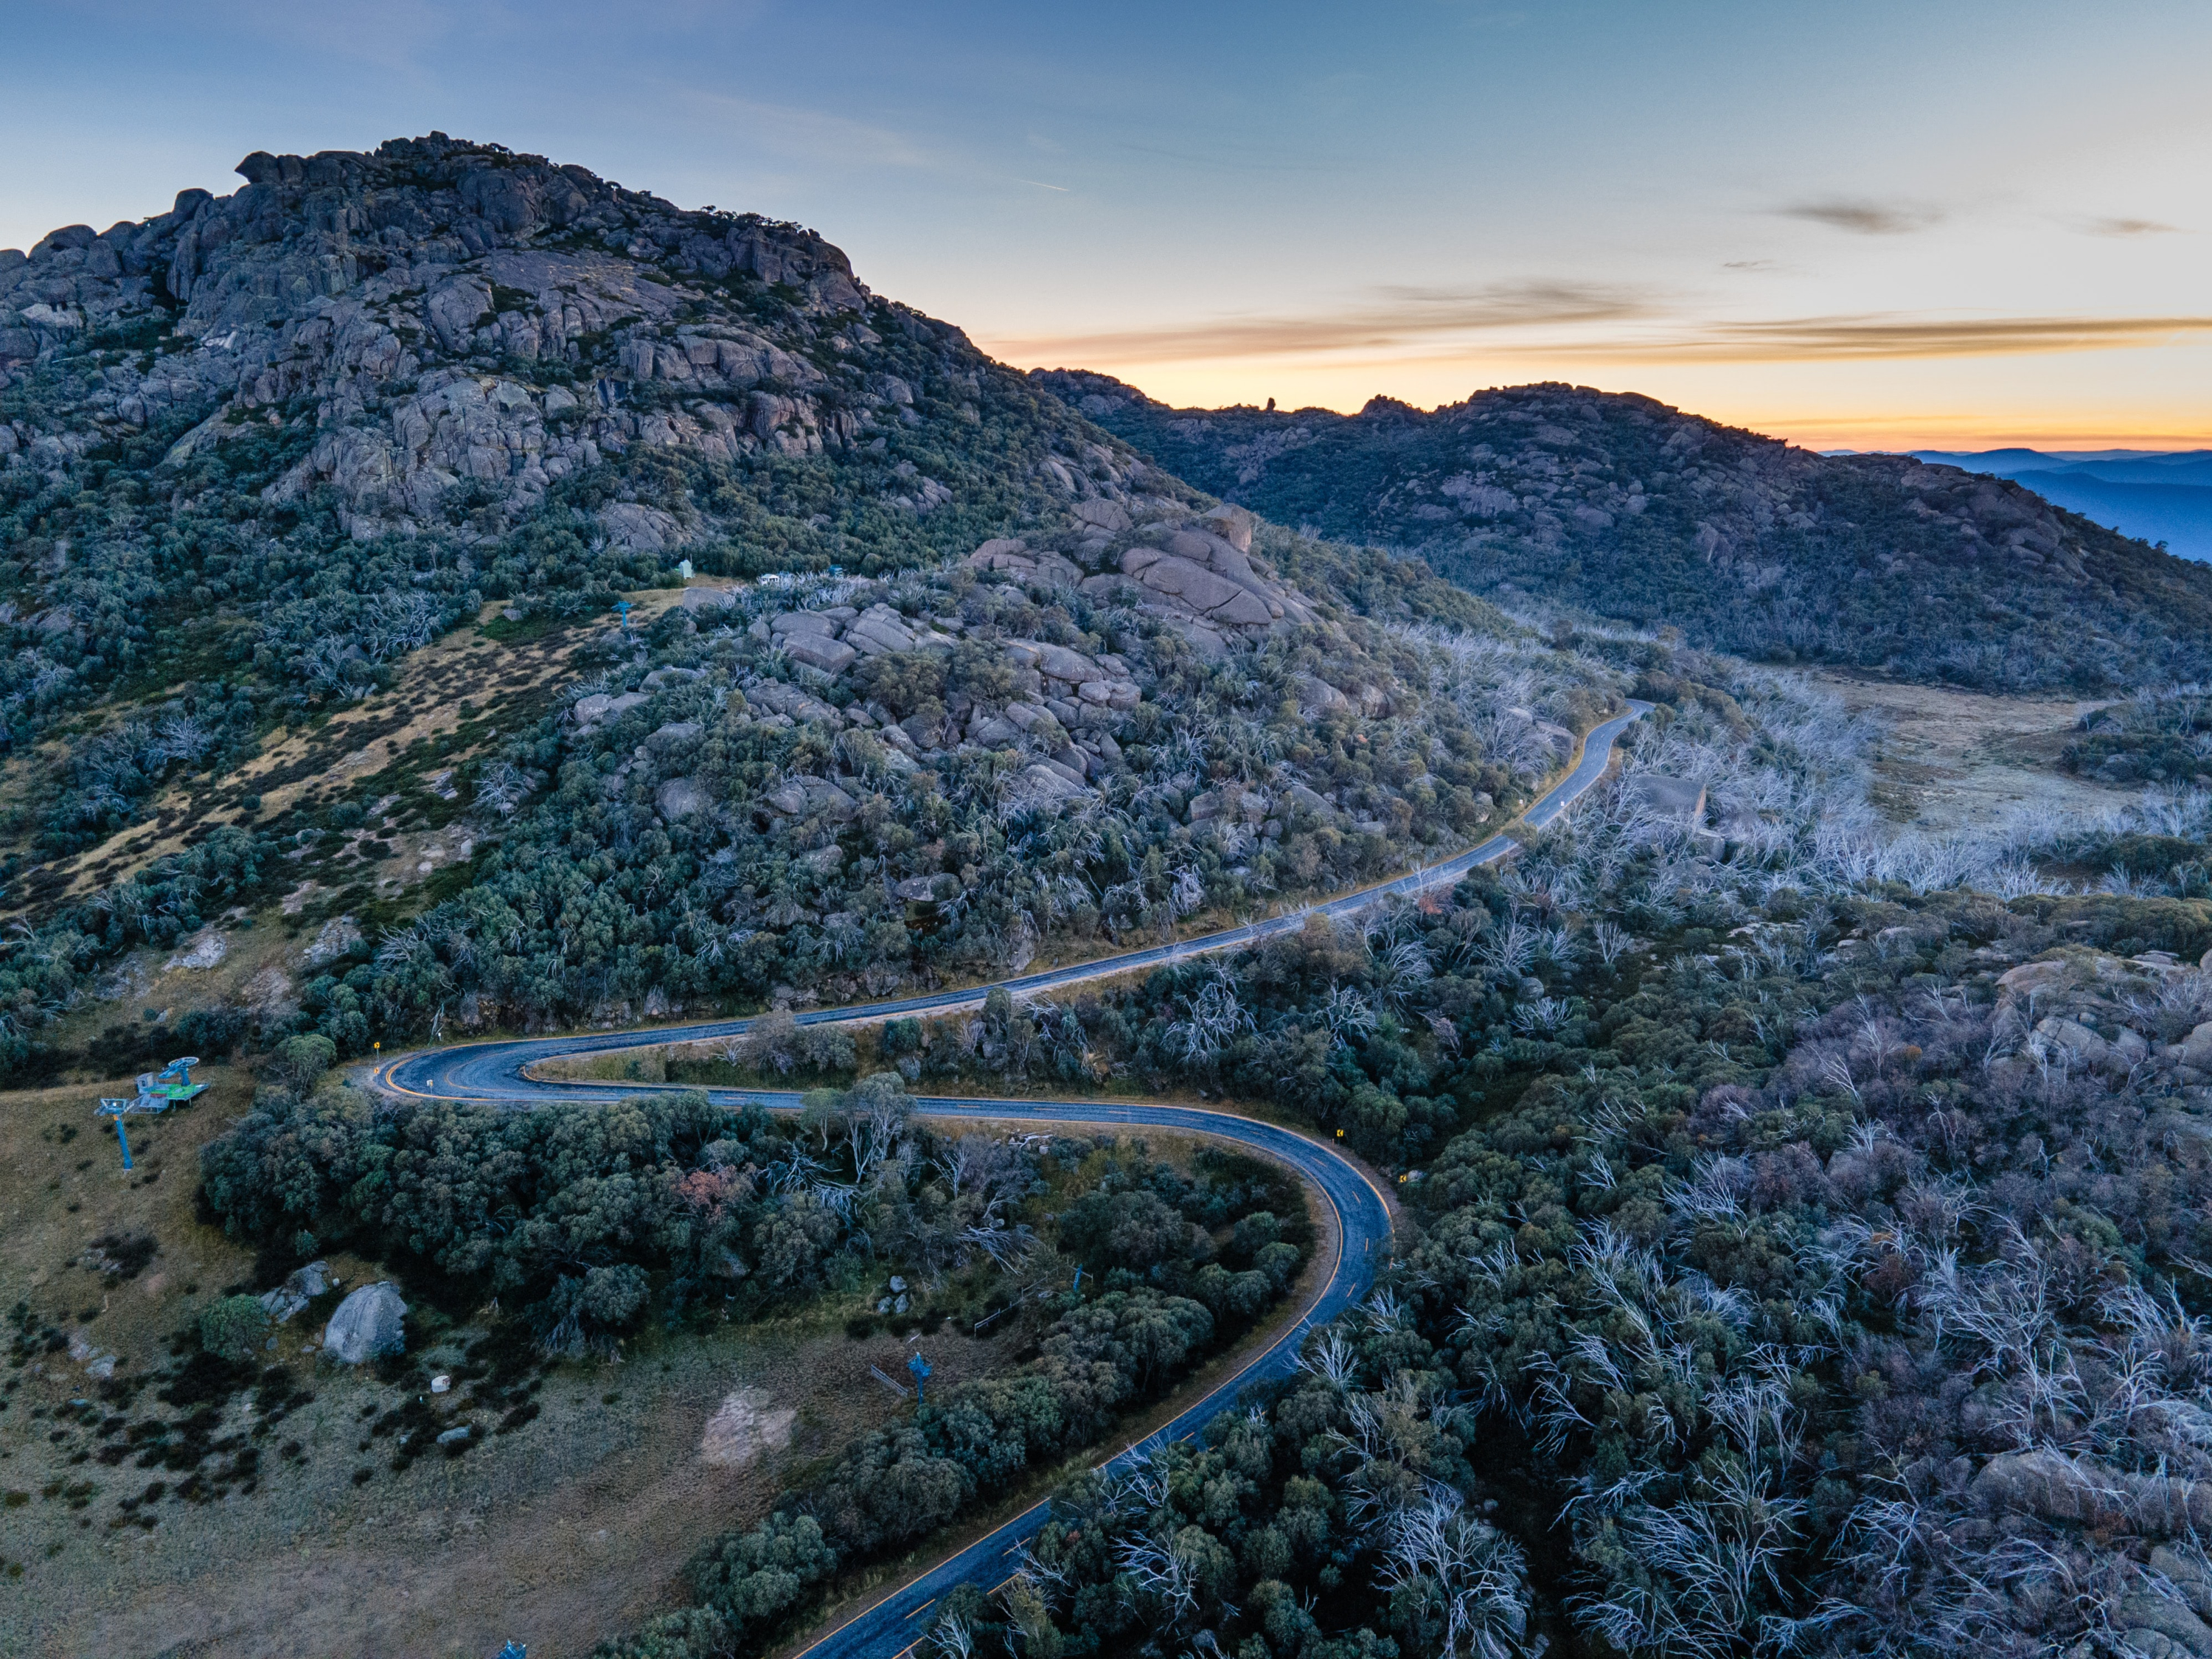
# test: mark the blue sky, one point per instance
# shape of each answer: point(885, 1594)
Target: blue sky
point(1873, 225)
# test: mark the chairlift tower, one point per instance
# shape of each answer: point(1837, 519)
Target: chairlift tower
point(157, 1091)
point(175, 1080)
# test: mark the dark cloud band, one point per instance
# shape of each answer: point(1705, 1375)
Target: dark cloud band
point(1864, 218)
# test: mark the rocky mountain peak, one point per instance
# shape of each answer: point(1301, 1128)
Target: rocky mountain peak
point(340, 217)
point(449, 329)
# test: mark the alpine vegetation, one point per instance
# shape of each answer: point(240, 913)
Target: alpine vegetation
point(449, 595)
point(927, 675)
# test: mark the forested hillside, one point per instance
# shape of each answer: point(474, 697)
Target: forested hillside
point(1804, 1237)
point(259, 448)
point(315, 502)
point(1623, 507)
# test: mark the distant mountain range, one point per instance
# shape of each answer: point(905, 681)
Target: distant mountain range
point(1623, 506)
point(2157, 496)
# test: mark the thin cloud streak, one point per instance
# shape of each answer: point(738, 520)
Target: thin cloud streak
point(1412, 323)
point(1863, 218)
point(1400, 316)
point(1250, 162)
point(802, 134)
point(1827, 339)
point(2130, 227)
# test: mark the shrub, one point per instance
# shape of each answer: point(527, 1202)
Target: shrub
point(234, 1326)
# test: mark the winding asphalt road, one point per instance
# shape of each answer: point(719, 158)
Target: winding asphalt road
point(500, 1072)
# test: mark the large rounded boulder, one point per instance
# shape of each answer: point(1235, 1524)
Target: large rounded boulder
point(369, 1322)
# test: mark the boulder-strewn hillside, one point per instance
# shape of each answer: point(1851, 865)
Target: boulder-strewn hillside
point(1628, 508)
point(315, 502)
point(333, 412)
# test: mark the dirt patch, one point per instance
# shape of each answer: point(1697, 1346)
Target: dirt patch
point(130, 1020)
point(571, 1531)
point(742, 1427)
point(1964, 760)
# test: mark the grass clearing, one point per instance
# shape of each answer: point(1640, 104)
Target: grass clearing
point(569, 1527)
point(450, 698)
point(1954, 760)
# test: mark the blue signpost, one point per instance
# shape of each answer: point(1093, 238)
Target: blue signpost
point(919, 1367)
point(622, 610)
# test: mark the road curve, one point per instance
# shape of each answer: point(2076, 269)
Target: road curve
point(498, 1072)
point(1597, 755)
point(890, 1623)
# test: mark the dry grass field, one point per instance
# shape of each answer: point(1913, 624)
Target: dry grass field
point(1958, 760)
point(569, 1527)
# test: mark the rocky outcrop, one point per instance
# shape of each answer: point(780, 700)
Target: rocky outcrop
point(2033, 976)
point(681, 798)
point(1197, 575)
point(1066, 705)
point(462, 316)
point(601, 706)
point(1677, 800)
point(1201, 576)
point(812, 640)
point(2052, 1486)
point(811, 797)
point(2090, 1009)
point(2165, 1616)
point(301, 1287)
point(1011, 556)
